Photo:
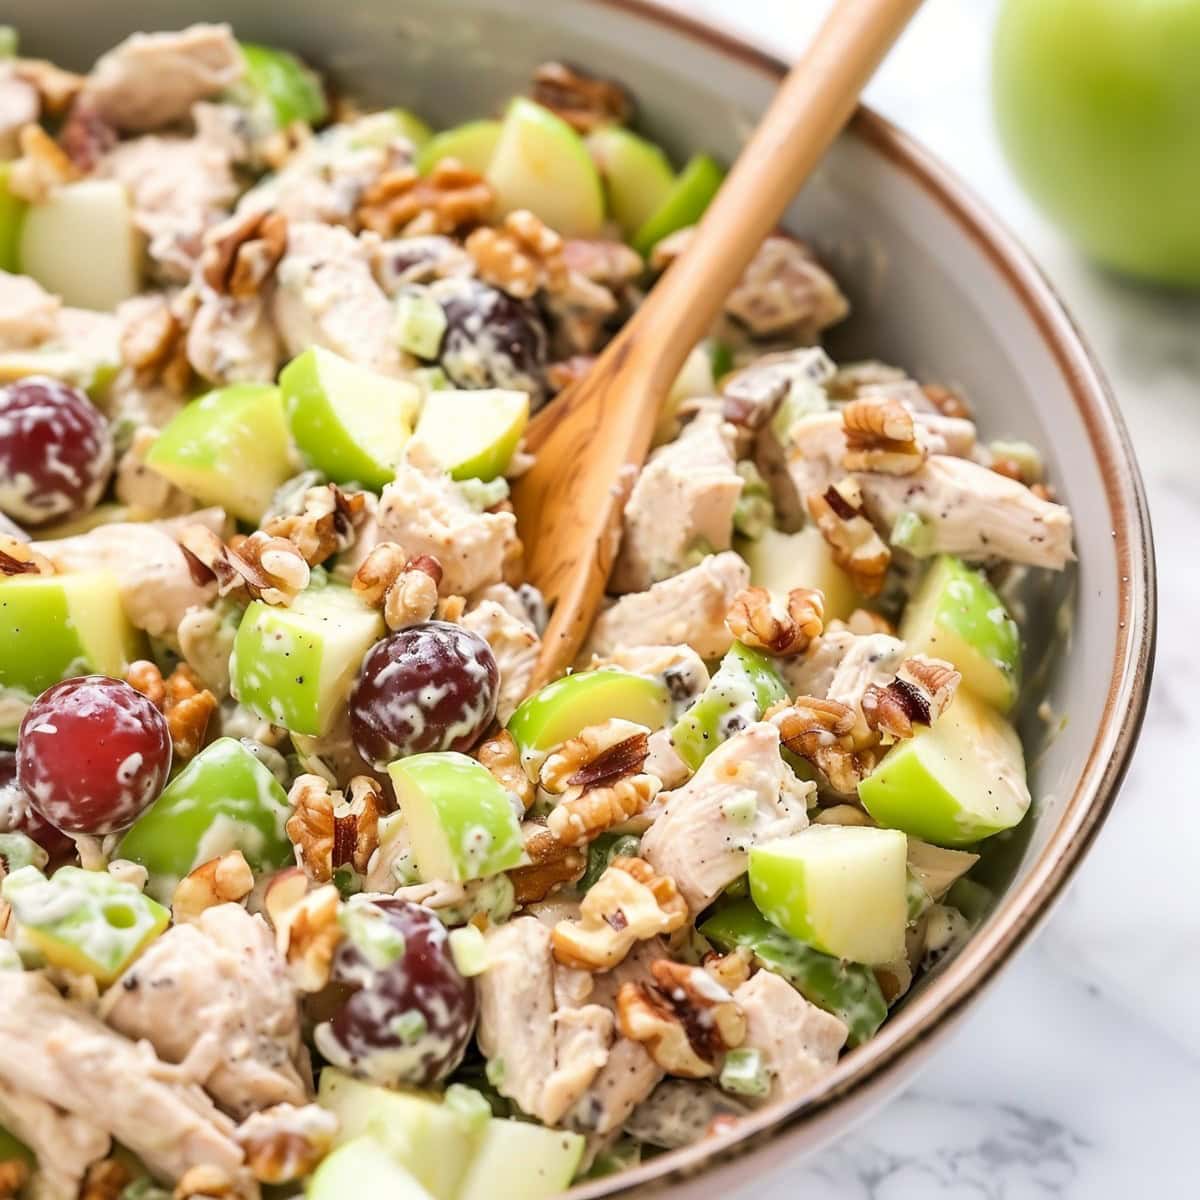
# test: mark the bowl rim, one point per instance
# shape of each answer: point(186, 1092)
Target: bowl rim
point(1025, 906)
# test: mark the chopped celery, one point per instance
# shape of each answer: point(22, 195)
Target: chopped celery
point(420, 324)
point(911, 532)
point(602, 851)
point(8, 42)
point(743, 1073)
point(848, 990)
point(754, 513)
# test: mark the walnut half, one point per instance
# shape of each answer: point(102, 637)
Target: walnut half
point(223, 880)
point(284, 1142)
point(330, 831)
point(686, 1019)
point(920, 692)
point(881, 435)
point(757, 620)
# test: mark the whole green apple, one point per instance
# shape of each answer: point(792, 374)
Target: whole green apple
point(1098, 107)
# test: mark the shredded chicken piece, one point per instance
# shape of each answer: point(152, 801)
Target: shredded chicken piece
point(28, 313)
point(218, 977)
point(688, 608)
point(233, 340)
point(743, 794)
point(65, 1143)
point(683, 501)
point(516, 647)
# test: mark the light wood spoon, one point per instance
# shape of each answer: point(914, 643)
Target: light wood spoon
point(591, 439)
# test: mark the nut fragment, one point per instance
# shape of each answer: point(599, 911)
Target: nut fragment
point(920, 692)
point(153, 341)
point(627, 904)
point(285, 1142)
point(205, 1182)
point(241, 252)
point(103, 1180)
point(582, 100)
point(238, 567)
point(330, 832)
point(14, 1175)
point(598, 754)
point(819, 731)
point(451, 199)
point(881, 435)
point(326, 524)
point(552, 865)
point(224, 880)
point(947, 401)
point(500, 755)
point(757, 620)
point(20, 558)
point(587, 812)
point(686, 1019)
point(521, 257)
point(306, 925)
point(41, 168)
point(730, 970)
point(187, 705)
point(857, 548)
point(282, 572)
point(404, 588)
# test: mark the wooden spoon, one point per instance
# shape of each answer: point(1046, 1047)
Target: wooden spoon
point(590, 441)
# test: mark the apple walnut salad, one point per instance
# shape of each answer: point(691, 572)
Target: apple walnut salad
point(301, 886)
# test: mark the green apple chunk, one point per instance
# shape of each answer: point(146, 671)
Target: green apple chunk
point(956, 615)
point(954, 783)
point(745, 686)
point(431, 1139)
point(561, 709)
point(349, 421)
point(295, 666)
point(473, 434)
point(683, 205)
point(12, 215)
point(55, 626)
point(224, 799)
point(782, 561)
point(840, 889)
point(517, 1160)
point(472, 144)
point(846, 989)
point(13, 1149)
point(365, 1170)
point(540, 163)
point(84, 921)
point(81, 243)
point(461, 821)
point(229, 447)
point(285, 84)
point(85, 351)
point(637, 175)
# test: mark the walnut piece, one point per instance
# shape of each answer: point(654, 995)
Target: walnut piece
point(283, 573)
point(224, 880)
point(20, 558)
point(881, 435)
point(103, 1180)
point(329, 831)
point(205, 1182)
point(583, 816)
point(606, 752)
point(629, 903)
point(500, 755)
point(857, 548)
point(327, 523)
point(284, 1142)
point(14, 1175)
point(521, 257)
point(306, 926)
point(584, 101)
point(730, 970)
point(405, 589)
point(757, 620)
point(920, 692)
point(55, 87)
point(552, 865)
point(187, 705)
point(686, 1019)
point(451, 199)
point(241, 253)
point(947, 401)
point(153, 341)
point(41, 168)
point(819, 731)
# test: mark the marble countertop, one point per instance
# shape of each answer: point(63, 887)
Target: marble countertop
point(1078, 1075)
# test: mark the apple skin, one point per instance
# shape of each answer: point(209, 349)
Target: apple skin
point(461, 821)
point(289, 87)
point(745, 685)
point(848, 990)
point(84, 921)
point(295, 666)
point(12, 214)
point(518, 1160)
point(561, 709)
point(473, 144)
point(224, 799)
point(540, 163)
point(841, 890)
point(228, 447)
point(55, 626)
point(637, 175)
point(365, 1169)
point(473, 434)
point(349, 421)
point(956, 615)
point(684, 205)
point(954, 783)
point(1098, 108)
point(781, 561)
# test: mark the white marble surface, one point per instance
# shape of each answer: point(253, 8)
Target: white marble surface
point(1078, 1075)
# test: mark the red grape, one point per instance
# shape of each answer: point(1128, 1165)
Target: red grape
point(16, 815)
point(410, 1015)
point(429, 687)
point(92, 755)
point(56, 454)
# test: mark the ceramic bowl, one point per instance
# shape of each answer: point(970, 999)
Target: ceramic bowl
point(938, 287)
